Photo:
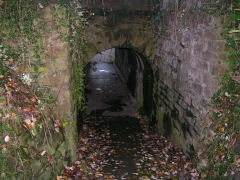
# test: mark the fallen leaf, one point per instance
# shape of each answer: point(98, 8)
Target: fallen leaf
point(11, 60)
point(221, 130)
point(65, 124)
point(21, 69)
point(28, 109)
point(57, 129)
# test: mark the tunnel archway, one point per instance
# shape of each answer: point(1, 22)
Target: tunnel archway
point(120, 28)
point(126, 30)
point(132, 69)
point(118, 84)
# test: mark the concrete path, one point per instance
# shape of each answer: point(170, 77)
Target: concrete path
point(107, 95)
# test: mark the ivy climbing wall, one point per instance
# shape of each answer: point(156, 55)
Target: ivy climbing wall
point(44, 43)
point(54, 70)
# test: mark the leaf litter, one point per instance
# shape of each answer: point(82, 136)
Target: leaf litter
point(107, 151)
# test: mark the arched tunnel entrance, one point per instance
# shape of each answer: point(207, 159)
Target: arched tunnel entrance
point(119, 82)
point(115, 140)
point(118, 86)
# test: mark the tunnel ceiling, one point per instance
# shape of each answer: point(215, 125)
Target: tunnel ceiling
point(119, 24)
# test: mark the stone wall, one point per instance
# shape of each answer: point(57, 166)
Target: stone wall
point(55, 75)
point(131, 68)
point(137, 73)
point(188, 62)
point(119, 29)
point(47, 59)
point(105, 56)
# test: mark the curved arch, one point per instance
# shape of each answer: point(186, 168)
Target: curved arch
point(135, 71)
point(135, 34)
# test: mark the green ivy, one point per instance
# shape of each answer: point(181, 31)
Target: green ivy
point(223, 160)
point(18, 26)
point(78, 44)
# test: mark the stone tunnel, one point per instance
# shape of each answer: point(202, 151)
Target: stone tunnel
point(185, 59)
point(169, 56)
point(178, 55)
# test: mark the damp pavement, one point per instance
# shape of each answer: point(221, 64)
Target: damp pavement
point(115, 142)
point(107, 95)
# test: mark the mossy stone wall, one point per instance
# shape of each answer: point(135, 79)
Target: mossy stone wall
point(47, 58)
point(189, 59)
point(55, 70)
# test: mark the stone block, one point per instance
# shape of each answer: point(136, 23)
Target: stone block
point(186, 39)
point(202, 64)
point(198, 48)
point(64, 100)
point(58, 78)
point(197, 87)
point(209, 55)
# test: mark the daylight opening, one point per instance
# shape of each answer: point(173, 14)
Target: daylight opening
point(116, 82)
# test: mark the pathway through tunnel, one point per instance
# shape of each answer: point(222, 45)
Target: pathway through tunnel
point(114, 115)
point(107, 95)
point(115, 143)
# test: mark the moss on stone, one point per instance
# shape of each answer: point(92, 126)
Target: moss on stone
point(40, 69)
point(159, 119)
